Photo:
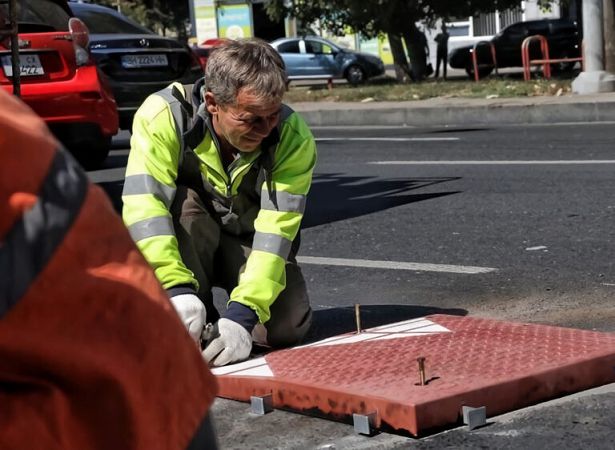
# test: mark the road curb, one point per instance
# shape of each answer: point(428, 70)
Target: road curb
point(487, 114)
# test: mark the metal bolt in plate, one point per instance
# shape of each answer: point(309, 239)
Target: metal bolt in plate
point(421, 361)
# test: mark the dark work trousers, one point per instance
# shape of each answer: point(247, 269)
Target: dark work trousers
point(441, 56)
point(217, 258)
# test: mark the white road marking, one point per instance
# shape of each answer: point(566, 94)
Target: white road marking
point(120, 152)
point(258, 367)
point(395, 265)
point(387, 139)
point(486, 163)
point(537, 247)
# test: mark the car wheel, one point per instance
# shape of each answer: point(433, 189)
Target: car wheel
point(85, 141)
point(355, 75)
point(482, 71)
point(93, 154)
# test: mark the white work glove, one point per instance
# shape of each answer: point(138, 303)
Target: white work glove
point(232, 343)
point(191, 311)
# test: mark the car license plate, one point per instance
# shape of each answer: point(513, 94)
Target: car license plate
point(29, 65)
point(137, 61)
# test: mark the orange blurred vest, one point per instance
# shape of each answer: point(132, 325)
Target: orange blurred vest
point(92, 354)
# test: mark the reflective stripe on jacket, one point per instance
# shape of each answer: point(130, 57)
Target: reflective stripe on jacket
point(92, 354)
point(271, 209)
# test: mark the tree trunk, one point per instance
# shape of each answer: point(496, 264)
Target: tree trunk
point(415, 44)
point(400, 62)
point(609, 36)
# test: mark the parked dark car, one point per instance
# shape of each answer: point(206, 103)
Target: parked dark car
point(314, 57)
point(562, 36)
point(136, 61)
point(59, 78)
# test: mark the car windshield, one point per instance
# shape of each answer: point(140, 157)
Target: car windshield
point(38, 16)
point(103, 22)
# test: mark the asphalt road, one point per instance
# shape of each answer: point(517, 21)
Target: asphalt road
point(531, 202)
point(506, 222)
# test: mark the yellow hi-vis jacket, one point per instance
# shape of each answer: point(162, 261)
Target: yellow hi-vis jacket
point(263, 193)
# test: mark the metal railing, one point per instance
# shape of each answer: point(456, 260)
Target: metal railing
point(545, 60)
point(11, 31)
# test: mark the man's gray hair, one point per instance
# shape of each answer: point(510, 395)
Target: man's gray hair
point(245, 63)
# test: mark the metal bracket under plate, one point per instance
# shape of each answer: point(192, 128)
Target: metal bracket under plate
point(261, 405)
point(364, 423)
point(474, 417)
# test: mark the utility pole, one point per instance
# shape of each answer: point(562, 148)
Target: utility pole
point(10, 30)
point(594, 78)
point(119, 6)
point(609, 35)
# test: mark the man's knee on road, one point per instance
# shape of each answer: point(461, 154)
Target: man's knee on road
point(291, 314)
point(287, 333)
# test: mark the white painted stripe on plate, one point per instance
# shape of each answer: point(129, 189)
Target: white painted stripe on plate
point(488, 163)
point(251, 365)
point(394, 265)
point(388, 139)
point(421, 326)
point(415, 327)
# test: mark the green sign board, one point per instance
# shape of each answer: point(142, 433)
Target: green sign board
point(234, 21)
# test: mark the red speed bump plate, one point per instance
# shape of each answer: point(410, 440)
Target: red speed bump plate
point(468, 362)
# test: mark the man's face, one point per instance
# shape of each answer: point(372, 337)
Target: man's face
point(243, 126)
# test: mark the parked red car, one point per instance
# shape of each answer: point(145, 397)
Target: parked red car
point(205, 48)
point(60, 80)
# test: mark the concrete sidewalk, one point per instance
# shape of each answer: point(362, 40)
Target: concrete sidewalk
point(463, 111)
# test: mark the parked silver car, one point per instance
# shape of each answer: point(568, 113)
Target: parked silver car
point(312, 57)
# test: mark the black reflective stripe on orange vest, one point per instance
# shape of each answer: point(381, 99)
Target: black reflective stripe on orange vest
point(31, 242)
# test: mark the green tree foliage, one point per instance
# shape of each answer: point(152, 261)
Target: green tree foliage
point(382, 16)
point(394, 18)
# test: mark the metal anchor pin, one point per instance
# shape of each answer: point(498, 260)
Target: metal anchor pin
point(421, 361)
point(357, 316)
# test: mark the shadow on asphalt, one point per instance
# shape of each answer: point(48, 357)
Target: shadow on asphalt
point(457, 130)
point(115, 160)
point(335, 196)
point(121, 140)
point(331, 322)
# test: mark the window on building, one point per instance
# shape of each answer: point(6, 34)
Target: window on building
point(458, 28)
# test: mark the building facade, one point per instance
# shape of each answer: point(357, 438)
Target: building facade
point(247, 18)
